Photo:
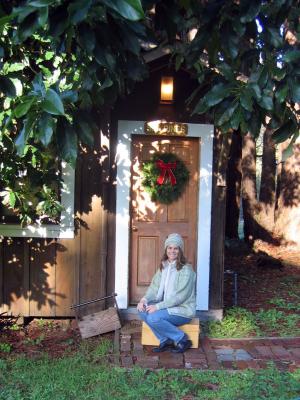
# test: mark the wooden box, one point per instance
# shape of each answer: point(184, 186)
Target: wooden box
point(192, 330)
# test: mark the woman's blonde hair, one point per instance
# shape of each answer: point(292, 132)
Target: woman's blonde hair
point(180, 262)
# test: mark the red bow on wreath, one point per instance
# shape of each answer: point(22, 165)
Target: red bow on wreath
point(166, 171)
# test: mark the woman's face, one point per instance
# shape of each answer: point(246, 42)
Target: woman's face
point(172, 252)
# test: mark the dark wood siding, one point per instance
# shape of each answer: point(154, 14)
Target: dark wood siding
point(44, 277)
point(216, 278)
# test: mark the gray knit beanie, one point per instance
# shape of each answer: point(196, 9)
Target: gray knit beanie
point(175, 239)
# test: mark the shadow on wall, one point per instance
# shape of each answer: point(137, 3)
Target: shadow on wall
point(28, 274)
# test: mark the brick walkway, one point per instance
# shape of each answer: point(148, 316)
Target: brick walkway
point(213, 354)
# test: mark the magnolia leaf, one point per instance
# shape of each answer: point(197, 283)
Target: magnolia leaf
point(263, 77)
point(78, 10)
point(43, 16)
point(52, 103)
point(236, 118)
point(13, 67)
point(12, 199)
point(256, 90)
point(266, 102)
point(239, 28)
point(291, 55)
point(178, 61)
point(246, 100)
point(67, 141)
point(69, 96)
point(233, 46)
point(107, 83)
point(244, 125)
point(131, 42)
point(104, 57)
point(279, 73)
point(281, 93)
point(5, 196)
point(295, 90)
point(129, 9)
point(217, 94)
point(5, 19)
point(7, 87)
point(226, 70)
point(284, 132)
point(38, 85)
point(45, 127)
point(251, 13)
point(255, 124)
point(41, 3)
point(87, 38)
point(24, 135)
point(22, 12)
point(227, 114)
point(28, 27)
point(201, 107)
point(289, 151)
point(58, 21)
point(84, 131)
point(24, 107)
point(274, 36)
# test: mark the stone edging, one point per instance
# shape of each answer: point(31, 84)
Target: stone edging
point(244, 339)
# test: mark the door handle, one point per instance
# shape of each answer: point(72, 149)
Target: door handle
point(134, 228)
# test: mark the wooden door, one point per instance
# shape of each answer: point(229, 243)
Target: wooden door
point(151, 223)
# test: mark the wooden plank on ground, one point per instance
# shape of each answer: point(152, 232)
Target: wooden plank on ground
point(100, 322)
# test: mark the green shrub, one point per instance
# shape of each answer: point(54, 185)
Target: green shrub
point(237, 322)
point(5, 348)
point(276, 322)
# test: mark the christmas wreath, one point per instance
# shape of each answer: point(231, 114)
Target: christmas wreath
point(165, 177)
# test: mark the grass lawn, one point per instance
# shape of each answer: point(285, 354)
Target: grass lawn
point(87, 375)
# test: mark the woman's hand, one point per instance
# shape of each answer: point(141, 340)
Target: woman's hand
point(151, 309)
point(141, 305)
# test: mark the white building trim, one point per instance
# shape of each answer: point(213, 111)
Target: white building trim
point(123, 160)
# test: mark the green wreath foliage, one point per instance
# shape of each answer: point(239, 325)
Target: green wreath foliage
point(165, 193)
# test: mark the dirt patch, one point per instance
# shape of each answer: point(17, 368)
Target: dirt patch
point(270, 272)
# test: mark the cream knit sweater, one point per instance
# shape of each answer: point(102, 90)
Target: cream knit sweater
point(179, 290)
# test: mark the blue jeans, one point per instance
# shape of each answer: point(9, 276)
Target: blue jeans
point(164, 325)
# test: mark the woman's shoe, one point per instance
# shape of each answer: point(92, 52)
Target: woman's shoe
point(182, 346)
point(167, 345)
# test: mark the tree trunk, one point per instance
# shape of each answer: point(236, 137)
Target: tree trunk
point(233, 183)
point(268, 184)
point(287, 225)
point(249, 192)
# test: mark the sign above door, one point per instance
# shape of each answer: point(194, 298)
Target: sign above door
point(166, 128)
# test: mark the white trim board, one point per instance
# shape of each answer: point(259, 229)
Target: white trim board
point(123, 161)
point(65, 228)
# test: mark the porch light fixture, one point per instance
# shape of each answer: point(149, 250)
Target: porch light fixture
point(166, 89)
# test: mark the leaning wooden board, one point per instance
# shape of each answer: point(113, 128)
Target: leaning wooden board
point(99, 322)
